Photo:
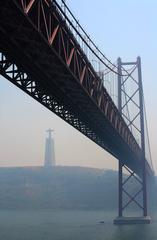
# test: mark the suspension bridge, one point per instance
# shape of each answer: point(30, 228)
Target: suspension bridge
point(47, 53)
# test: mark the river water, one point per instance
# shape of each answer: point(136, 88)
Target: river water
point(70, 225)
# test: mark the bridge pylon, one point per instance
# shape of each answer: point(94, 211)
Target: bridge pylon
point(131, 107)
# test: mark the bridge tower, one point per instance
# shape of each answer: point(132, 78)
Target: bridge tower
point(131, 107)
point(49, 150)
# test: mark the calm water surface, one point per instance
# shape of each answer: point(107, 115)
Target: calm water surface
point(70, 225)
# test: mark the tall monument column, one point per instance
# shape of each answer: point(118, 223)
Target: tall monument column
point(49, 150)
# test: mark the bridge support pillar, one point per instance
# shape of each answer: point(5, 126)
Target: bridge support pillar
point(127, 196)
point(120, 189)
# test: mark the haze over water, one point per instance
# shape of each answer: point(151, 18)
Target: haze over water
point(70, 225)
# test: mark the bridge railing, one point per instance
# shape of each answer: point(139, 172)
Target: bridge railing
point(100, 62)
point(105, 69)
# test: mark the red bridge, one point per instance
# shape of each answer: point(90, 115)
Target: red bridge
point(47, 54)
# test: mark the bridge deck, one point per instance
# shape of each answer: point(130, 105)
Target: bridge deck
point(53, 74)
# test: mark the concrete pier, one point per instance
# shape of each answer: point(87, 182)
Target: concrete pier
point(132, 220)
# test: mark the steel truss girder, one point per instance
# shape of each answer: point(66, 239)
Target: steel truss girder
point(36, 38)
point(47, 21)
point(17, 76)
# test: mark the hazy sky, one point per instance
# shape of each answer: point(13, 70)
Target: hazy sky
point(125, 28)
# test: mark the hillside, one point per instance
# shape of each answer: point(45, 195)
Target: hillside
point(60, 187)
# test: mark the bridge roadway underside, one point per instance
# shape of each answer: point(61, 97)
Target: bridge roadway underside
point(24, 46)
